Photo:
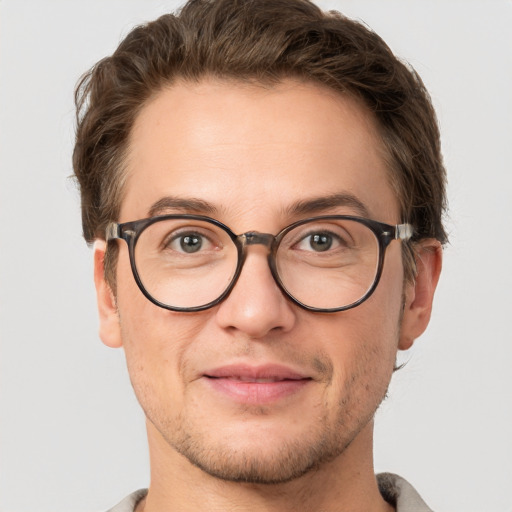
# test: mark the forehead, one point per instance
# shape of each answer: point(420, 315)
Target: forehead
point(252, 151)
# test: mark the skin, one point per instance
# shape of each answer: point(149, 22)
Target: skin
point(251, 152)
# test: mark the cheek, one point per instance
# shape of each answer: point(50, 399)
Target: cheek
point(152, 359)
point(151, 333)
point(369, 346)
point(156, 343)
point(363, 366)
point(365, 341)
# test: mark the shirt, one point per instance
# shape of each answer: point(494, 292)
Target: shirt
point(394, 489)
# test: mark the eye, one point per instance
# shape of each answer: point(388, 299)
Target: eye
point(188, 242)
point(319, 242)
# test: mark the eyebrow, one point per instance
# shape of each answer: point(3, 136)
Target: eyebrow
point(320, 204)
point(181, 205)
point(302, 207)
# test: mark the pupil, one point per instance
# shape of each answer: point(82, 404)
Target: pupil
point(191, 243)
point(321, 242)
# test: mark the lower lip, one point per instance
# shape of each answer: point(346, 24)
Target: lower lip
point(256, 393)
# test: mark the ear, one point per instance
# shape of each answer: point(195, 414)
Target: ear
point(420, 293)
point(110, 330)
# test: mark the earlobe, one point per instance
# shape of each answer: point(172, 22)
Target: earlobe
point(420, 293)
point(110, 330)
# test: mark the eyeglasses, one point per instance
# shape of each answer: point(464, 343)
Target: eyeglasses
point(191, 262)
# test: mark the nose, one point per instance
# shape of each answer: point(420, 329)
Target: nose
point(256, 306)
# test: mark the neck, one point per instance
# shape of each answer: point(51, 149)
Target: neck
point(346, 483)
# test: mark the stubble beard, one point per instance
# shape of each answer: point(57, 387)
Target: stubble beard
point(262, 463)
point(256, 464)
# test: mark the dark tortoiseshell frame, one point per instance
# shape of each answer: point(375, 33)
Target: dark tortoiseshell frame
point(131, 231)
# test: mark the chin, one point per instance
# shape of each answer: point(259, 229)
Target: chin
point(267, 456)
point(284, 464)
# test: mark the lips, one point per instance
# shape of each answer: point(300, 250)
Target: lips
point(256, 380)
point(256, 385)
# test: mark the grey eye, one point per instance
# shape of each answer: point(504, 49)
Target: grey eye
point(190, 243)
point(320, 242)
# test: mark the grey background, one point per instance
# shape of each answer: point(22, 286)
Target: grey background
point(71, 434)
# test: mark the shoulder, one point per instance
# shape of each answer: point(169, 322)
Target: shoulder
point(395, 490)
point(400, 493)
point(130, 502)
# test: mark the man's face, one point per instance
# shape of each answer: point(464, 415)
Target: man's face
point(256, 388)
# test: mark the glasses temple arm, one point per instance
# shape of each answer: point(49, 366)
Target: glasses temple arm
point(112, 231)
point(403, 232)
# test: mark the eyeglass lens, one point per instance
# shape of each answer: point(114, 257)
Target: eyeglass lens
point(187, 263)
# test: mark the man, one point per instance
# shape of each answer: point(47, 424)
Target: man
point(264, 189)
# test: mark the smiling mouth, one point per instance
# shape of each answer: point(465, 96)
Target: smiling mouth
point(255, 380)
point(256, 385)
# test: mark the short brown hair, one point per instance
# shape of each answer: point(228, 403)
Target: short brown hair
point(264, 41)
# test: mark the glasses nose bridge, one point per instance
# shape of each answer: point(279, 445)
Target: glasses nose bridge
point(256, 238)
point(268, 240)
